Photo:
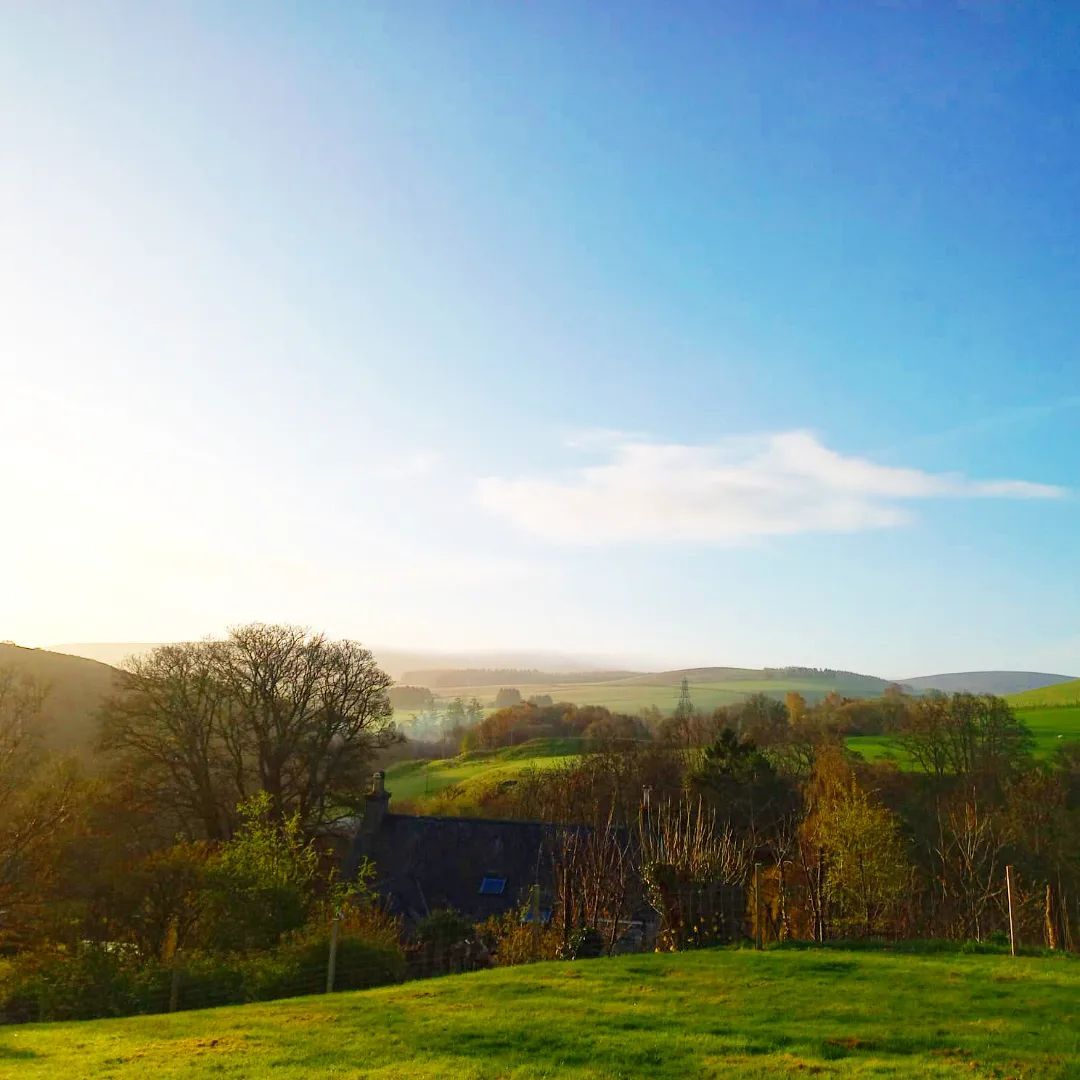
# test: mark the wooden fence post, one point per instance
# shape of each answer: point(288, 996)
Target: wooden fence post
point(331, 964)
point(1012, 920)
point(759, 932)
point(1051, 922)
point(820, 887)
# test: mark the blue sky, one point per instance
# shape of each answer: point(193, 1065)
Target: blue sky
point(680, 334)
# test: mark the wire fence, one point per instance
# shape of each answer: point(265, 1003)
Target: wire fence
point(102, 980)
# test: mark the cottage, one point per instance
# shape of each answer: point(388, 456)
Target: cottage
point(476, 866)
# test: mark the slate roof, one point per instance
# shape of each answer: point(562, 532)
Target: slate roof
point(426, 863)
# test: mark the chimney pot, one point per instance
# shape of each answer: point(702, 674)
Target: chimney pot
point(375, 804)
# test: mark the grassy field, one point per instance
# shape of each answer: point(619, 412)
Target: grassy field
point(631, 695)
point(410, 780)
point(829, 1013)
point(1051, 727)
point(1066, 693)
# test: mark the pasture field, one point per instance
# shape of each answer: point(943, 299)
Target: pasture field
point(714, 1013)
point(634, 694)
point(1050, 727)
point(411, 780)
point(1065, 693)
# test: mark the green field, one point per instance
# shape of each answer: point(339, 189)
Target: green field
point(634, 694)
point(830, 1013)
point(409, 780)
point(1066, 693)
point(1050, 727)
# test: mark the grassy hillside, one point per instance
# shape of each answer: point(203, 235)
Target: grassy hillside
point(76, 689)
point(712, 1013)
point(409, 780)
point(1062, 693)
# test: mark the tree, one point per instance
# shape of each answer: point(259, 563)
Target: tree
point(37, 795)
point(411, 697)
point(970, 866)
point(271, 709)
point(965, 735)
point(736, 778)
point(506, 697)
point(261, 884)
point(594, 877)
point(867, 872)
point(763, 719)
point(691, 870)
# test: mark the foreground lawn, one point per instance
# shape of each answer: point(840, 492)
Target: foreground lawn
point(714, 1013)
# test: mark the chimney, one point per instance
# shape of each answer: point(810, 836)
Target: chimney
point(378, 798)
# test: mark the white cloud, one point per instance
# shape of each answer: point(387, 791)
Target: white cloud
point(728, 492)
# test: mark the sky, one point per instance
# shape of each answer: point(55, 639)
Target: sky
point(683, 334)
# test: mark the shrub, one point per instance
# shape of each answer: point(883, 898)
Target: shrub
point(360, 963)
point(260, 885)
point(444, 928)
point(109, 980)
point(512, 941)
point(93, 981)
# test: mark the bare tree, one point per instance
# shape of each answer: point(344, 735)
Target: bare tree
point(173, 717)
point(594, 875)
point(970, 866)
point(37, 795)
point(691, 870)
point(271, 708)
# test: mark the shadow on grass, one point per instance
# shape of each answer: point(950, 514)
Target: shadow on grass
point(10, 1053)
point(917, 947)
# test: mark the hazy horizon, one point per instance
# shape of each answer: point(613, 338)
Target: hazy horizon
point(400, 659)
point(722, 335)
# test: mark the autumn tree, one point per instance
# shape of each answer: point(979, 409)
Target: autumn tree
point(970, 866)
point(860, 847)
point(272, 709)
point(965, 735)
point(37, 797)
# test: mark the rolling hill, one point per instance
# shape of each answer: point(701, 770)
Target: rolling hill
point(76, 686)
point(408, 781)
point(710, 687)
point(1061, 693)
point(1001, 683)
point(713, 1012)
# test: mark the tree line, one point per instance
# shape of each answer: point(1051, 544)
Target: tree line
point(204, 826)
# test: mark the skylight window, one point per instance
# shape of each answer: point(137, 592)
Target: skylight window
point(492, 886)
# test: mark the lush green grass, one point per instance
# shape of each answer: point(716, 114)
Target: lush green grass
point(1065, 693)
point(409, 780)
point(1050, 727)
point(877, 748)
point(716, 1013)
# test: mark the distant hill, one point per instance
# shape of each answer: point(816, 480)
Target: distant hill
point(442, 678)
point(984, 682)
point(402, 665)
point(113, 653)
point(77, 687)
point(848, 683)
point(1061, 693)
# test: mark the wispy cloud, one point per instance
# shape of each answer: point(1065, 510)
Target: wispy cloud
point(728, 492)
